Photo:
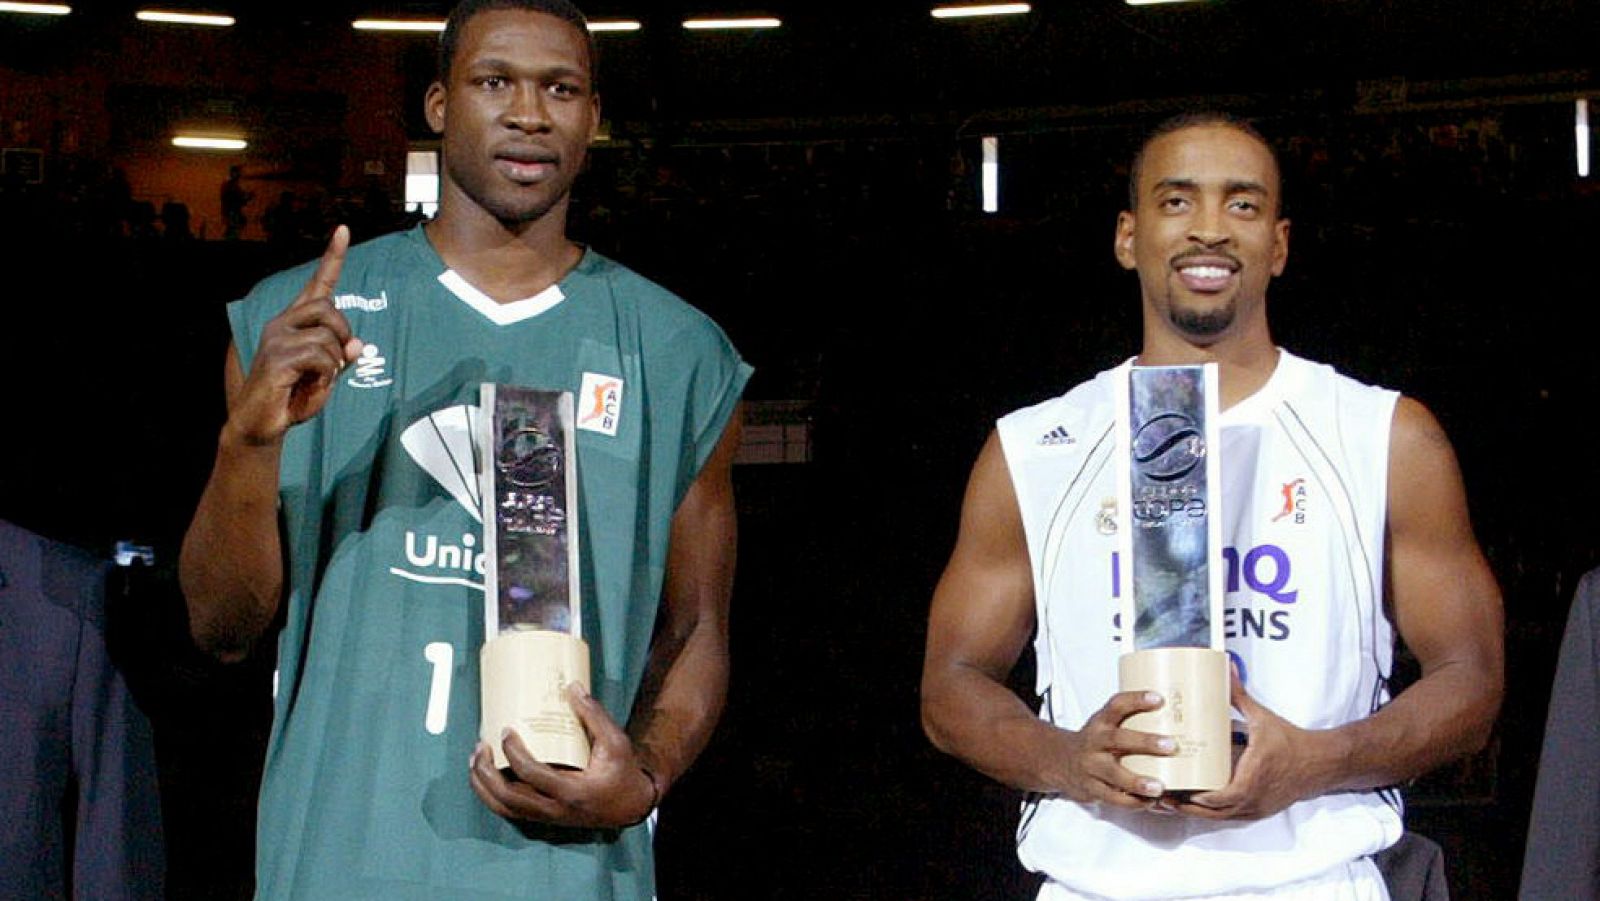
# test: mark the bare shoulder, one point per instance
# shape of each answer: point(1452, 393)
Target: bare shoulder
point(1424, 476)
point(1429, 525)
point(1442, 594)
point(1416, 430)
point(982, 611)
point(990, 560)
point(990, 513)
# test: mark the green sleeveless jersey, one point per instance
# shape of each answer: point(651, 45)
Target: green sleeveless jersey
point(365, 793)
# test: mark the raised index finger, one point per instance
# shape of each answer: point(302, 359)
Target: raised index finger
point(326, 277)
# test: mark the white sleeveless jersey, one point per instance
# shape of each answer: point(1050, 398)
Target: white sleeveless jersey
point(1304, 474)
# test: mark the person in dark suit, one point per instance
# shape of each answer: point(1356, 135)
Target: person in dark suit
point(1562, 858)
point(80, 814)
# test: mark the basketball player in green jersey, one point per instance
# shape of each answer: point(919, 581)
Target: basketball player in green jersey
point(334, 369)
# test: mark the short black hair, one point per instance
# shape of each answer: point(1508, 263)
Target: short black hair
point(465, 10)
point(1199, 119)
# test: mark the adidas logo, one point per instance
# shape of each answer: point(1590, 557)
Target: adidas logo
point(1056, 437)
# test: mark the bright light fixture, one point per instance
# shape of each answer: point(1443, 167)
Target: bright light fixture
point(398, 24)
point(987, 9)
point(422, 182)
point(202, 142)
point(1581, 128)
point(717, 24)
point(177, 18)
point(41, 9)
point(439, 26)
point(991, 174)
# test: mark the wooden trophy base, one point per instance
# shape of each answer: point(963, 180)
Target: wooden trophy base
point(1194, 682)
point(524, 675)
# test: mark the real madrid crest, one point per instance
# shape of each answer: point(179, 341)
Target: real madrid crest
point(1105, 521)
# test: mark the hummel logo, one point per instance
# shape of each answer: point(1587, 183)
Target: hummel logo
point(369, 369)
point(356, 301)
point(1057, 436)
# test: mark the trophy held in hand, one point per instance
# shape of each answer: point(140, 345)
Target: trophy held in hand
point(1171, 621)
point(533, 624)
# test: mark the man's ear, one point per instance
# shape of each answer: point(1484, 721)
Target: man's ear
point(1280, 246)
point(433, 104)
point(1122, 246)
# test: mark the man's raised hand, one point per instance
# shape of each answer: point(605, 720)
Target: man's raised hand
point(301, 353)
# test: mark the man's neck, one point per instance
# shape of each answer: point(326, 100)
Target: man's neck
point(1245, 361)
point(506, 263)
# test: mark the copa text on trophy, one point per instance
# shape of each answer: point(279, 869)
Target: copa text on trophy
point(1169, 483)
point(533, 642)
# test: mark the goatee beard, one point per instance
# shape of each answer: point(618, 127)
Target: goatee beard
point(1203, 324)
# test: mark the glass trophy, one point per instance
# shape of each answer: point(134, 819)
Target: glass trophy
point(533, 642)
point(1168, 479)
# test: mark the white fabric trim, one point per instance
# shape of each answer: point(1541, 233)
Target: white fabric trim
point(1358, 880)
point(494, 311)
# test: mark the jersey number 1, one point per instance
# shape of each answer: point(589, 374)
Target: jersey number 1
point(442, 655)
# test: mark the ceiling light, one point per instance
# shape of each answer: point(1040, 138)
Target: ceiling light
point(42, 9)
point(1581, 130)
point(398, 24)
point(615, 25)
point(176, 18)
point(203, 142)
point(987, 9)
point(717, 24)
point(990, 174)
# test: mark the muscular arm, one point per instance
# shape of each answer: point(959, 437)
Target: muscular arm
point(981, 620)
point(1447, 608)
point(231, 565)
point(686, 676)
point(685, 683)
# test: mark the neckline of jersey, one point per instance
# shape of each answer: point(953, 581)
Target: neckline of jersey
point(511, 312)
point(1269, 392)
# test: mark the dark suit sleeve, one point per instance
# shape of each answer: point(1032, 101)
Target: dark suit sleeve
point(1562, 860)
point(117, 851)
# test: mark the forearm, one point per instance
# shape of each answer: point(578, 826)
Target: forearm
point(231, 564)
point(969, 715)
point(686, 677)
point(1445, 715)
point(681, 699)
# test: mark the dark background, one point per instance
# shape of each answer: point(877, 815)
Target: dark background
point(815, 190)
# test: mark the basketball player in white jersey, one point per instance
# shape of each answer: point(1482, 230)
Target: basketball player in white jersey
point(1344, 519)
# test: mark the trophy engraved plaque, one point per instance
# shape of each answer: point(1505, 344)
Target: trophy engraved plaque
point(1171, 620)
point(533, 642)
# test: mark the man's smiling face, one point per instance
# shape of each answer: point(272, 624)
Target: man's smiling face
point(1205, 236)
